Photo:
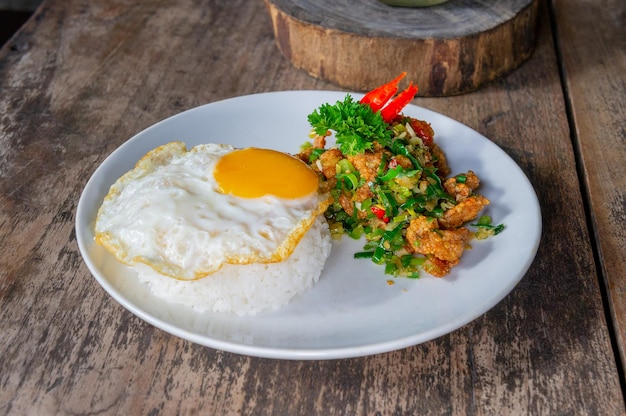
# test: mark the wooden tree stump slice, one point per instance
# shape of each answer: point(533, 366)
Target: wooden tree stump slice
point(449, 49)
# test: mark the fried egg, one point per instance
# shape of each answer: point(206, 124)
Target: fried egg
point(185, 213)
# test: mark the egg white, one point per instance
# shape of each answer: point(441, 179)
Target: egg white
point(168, 213)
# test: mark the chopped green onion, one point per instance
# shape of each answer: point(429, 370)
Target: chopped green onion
point(366, 204)
point(484, 223)
point(400, 218)
point(349, 178)
point(484, 220)
point(391, 268)
point(398, 148)
point(388, 201)
point(315, 154)
point(391, 173)
point(383, 164)
point(344, 166)
point(357, 232)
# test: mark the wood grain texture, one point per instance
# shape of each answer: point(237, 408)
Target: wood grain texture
point(594, 64)
point(82, 77)
point(449, 49)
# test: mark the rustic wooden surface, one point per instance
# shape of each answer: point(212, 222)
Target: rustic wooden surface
point(82, 77)
point(448, 49)
point(594, 59)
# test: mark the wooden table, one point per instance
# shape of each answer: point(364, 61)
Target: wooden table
point(82, 77)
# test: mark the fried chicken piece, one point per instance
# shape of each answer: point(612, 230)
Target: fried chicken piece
point(328, 161)
point(305, 155)
point(319, 142)
point(425, 237)
point(462, 212)
point(437, 267)
point(403, 161)
point(347, 204)
point(461, 191)
point(363, 193)
point(439, 160)
point(367, 164)
point(442, 248)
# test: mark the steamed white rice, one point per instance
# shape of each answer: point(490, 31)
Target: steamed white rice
point(249, 289)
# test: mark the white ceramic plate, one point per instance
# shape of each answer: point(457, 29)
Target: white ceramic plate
point(352, 311)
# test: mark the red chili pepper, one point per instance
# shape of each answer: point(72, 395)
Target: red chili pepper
point(423, 130)
point(393, 163)
point(391, 111)
point(378, 97)
point(380, 213)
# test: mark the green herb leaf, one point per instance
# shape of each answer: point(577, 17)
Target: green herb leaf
point(355, 125)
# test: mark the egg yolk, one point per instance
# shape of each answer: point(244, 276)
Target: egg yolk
point(253, 173)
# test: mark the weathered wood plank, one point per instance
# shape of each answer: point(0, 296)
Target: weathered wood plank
point(81, 78)
point(594, 65)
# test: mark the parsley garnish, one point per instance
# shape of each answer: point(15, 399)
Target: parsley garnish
point(355, 125)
